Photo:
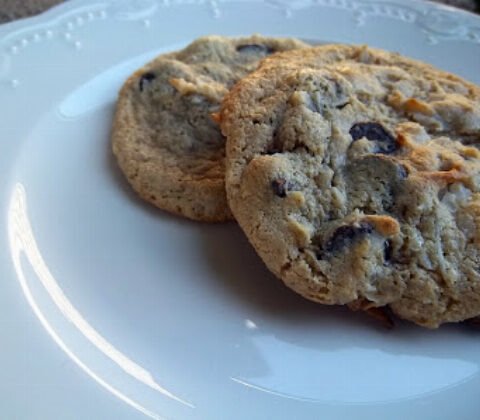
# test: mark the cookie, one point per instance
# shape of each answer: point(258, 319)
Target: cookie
point(164, 137)
point(355, 174)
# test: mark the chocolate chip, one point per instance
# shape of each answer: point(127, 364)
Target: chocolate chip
point(347, 234)
point(254, 49)
point(145, 80)
point(374, 132)
point(280, 186)
point(387, 251)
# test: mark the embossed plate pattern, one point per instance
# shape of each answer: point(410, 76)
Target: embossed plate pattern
point(112, 310)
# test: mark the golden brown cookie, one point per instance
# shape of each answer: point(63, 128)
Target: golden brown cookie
point(164, 138)
point(355, 174)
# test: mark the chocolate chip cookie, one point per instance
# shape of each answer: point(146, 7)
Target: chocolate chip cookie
point(355, 173)
point(164, 137)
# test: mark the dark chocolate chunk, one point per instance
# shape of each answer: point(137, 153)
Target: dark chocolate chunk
point(347, 234)
point(374, 132)
point(280, 186)
point(387, 251)
point(254, 49)
point(145, 80)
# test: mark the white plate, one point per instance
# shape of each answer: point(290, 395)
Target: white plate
point(110, 309)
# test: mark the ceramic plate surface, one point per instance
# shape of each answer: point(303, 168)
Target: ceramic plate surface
point(110, 309)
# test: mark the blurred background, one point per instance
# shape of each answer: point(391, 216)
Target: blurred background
point(16, 9)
